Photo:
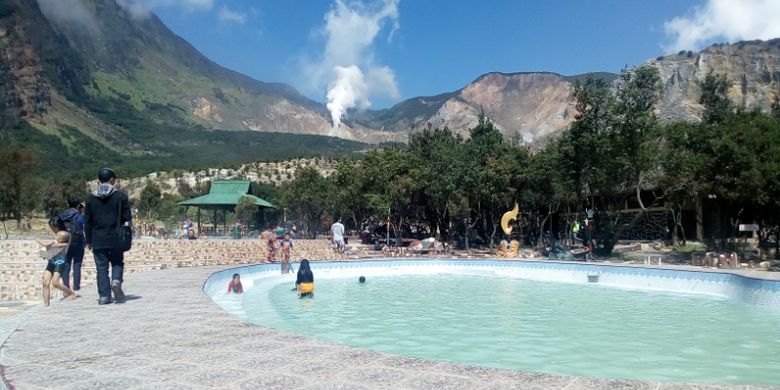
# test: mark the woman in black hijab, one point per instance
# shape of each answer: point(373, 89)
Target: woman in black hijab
point(305, 280)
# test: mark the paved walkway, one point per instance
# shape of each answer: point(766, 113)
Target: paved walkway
point(172, 336)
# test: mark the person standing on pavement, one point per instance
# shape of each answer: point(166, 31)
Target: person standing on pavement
point(337, 237)
point(106, 210)
point(74, 223)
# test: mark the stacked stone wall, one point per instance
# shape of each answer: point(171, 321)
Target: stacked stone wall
point(22, 265)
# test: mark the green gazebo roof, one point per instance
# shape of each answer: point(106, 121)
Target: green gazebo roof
point(225, 194)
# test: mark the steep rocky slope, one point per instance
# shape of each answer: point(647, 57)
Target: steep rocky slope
point(113, 83)
point(531, 105)
point(520, 104)
point(752, 69)
point(93, 72)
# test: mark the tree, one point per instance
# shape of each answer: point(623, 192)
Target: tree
point(349, 197)
point(714, 97)
point(150, 200)
point(17, 165)
point(390, 186)
point(543, 191)
point(246, 210)
point(436, 172)
point(306, 197)
point(611, 148)
point(584, 148)
point(489, 170)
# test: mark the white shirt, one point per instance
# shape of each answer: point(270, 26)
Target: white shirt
point(337, 229)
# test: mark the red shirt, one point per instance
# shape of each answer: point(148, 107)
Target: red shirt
point(235, 287)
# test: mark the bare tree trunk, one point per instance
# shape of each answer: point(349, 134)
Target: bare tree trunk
point(699, 220)
point(675, 243)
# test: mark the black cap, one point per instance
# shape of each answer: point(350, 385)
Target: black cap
point(106, 174)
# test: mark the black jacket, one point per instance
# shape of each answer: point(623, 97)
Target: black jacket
point(100, 216)
point(305, 276)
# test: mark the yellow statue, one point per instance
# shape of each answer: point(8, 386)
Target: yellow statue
point(508, 250)
point(510, 215)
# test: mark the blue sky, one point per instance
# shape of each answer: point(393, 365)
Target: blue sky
point(426, 47)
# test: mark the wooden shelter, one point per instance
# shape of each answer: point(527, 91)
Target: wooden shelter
point(224, 195)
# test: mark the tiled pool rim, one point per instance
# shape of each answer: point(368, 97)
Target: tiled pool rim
point(174, 337)
point(731, 285)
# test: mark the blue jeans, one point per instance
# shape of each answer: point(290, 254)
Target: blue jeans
point(73, 260)
point(104, 257)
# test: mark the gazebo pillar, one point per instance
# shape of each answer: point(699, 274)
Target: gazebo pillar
point(215, 222)
point(198, 221)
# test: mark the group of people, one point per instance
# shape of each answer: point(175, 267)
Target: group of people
point(94, 224)
point(280, 245)
point(304, 282)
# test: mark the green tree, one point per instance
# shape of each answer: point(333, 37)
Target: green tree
point(17, 166)
point(390, 186)
point(543, 191)
point(150, 201)
point(246, 211)
point(349, 197)
point(714, 97)
point(584, 148)
point(633, 151)
point(437, 163)
point(489, 170)
point(306, 197)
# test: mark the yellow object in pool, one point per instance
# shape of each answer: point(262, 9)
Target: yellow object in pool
point(305, 288)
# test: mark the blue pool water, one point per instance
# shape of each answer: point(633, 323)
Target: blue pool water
point(564, 328)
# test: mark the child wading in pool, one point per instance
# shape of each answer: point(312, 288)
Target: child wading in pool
point(235, 286)
point(304, 283)
point(55, 253)
point(286, 247)
point(271, 258)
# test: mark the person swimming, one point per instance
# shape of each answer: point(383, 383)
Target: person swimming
point(362, 279)
point(304, 282)
point(235, 285)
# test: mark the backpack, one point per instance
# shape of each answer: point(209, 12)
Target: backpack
point(72, 226)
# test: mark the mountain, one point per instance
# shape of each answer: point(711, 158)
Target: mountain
point(751, 67)
point(94, 79)
point(526, 105)
point(533, 105)
point(89, 82)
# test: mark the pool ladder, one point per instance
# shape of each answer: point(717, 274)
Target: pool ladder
point(651, 258)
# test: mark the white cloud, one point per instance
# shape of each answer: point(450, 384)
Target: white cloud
point(730, 20)
point(66, 11)
point(347, 65)
point(227, 15)
point(190, 5)
point(135, 9)
point(140, 8)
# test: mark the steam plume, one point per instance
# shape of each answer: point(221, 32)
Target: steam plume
point(347, 64)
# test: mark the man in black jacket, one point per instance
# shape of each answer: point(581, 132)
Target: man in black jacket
point(106, 210)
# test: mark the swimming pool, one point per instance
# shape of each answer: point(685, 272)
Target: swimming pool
point(573, 319)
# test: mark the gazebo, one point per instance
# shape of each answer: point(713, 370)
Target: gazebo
point(224, 195)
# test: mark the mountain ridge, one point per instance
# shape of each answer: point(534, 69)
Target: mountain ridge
point(133, 88)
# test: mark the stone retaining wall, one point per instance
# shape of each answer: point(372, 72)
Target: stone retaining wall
point(22, 266)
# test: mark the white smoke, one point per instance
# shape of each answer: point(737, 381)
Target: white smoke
point(346, 91)
point(347, 64)
point(732, 20)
